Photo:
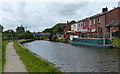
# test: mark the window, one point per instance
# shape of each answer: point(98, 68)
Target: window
point(84, 23)
point(94, 21)
point(90, 23)
point(108, 29)
point(72, 27)
point(99, 20)
point(81, 24)
point(100, 30)
point(78, 24)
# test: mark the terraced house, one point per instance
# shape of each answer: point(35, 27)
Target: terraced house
point(100, 25)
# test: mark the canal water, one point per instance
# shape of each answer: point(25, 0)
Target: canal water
point(70, 58)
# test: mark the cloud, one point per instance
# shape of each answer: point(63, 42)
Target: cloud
point(37, 16)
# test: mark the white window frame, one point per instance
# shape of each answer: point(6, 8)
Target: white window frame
point(98, 19)
point(71, 27)
point(81, 24)
point(90, 22)
point(94, 21)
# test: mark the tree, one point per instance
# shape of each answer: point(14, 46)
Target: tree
point(58, 28)
point(9, 34)
point(47, 30)
point(25, 35)
point(118, 32)
point(20, 29)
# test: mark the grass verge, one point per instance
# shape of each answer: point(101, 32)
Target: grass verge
point(116, 41)
point(4, 44)
point(33, 63)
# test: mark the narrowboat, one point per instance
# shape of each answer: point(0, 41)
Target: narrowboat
point(93, 42)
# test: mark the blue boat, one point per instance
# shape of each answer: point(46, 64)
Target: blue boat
point(104, 43)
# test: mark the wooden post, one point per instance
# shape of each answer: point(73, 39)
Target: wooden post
point(110, 36)
point(103, 38)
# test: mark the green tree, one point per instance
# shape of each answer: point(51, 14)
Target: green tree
point(20, 29)
point(58, 28)
point(9, 34)
point(25, 35)
point(48, 30)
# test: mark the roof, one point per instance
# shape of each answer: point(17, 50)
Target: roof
point(63, 24)
point(112, 23)
point(71, 22)
point(98, 15)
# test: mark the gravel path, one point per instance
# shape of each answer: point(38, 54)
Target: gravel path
point(13, 62)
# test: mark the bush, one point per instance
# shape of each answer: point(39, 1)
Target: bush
point(117, 33)
point(66, 40)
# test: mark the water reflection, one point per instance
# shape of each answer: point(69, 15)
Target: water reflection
point(72, 58)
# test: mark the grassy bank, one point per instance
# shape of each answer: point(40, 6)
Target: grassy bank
point(33, 63)
point(116, 41)
point(4, 44)
point(22, 40)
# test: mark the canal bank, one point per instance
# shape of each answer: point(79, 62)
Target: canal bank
point(75, 58)
point(4, 44)
point(116, 42)
point(32, 62)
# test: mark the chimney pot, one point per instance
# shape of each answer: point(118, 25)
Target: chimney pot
point(67, 21)
point(104, 10)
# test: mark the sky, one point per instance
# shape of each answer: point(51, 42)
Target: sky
point(38, 15)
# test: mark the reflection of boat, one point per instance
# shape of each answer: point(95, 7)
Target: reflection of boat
point(92, 42)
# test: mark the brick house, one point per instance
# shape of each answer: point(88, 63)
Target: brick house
point(68, 26)
point(67, 29)
point(105, 22)
point(113, 20)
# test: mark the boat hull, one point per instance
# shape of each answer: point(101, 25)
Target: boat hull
point(91, 45)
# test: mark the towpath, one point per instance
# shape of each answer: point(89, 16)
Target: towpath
point(13, 62)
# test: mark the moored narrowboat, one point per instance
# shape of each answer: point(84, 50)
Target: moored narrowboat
point(104, 43)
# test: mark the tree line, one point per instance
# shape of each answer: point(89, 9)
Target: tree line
point(20, 33)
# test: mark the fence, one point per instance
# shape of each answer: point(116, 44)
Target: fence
point(96, 35)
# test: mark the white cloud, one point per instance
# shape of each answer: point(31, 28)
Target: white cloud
point(59, 0)
point(37, 16)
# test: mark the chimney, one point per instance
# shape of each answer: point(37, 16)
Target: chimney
point(67, 21)
point(104, 10)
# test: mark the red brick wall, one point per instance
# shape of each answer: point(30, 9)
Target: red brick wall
point(68, 27)
point(102, 23)
point(119, 16)
point(92, 26)
point(97, 25)
point(107, 18)
point(86, 24)
point(113, 15)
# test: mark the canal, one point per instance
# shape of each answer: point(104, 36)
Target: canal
point(70, 58)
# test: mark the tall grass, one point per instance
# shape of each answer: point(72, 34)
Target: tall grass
point(116, 41)
point(4, 44)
